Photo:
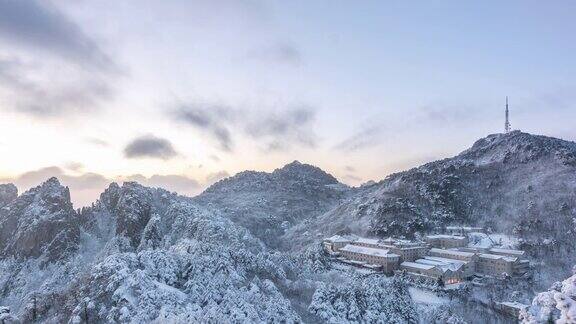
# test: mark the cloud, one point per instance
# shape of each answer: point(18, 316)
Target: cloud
point(49, 67)
point(41, 26)
point(179, 183)
point(216, 176)
point(378, 130)
point(84, 181)
point(33, 91)
point(349, 168)
point(85, 188)
point(272, 130)
point(213, 119)
point(74, 166)
point(280, 130)
point(365, 137)
point(443, 114)
point(149, 146)
point(96, 141)
point(281, 52)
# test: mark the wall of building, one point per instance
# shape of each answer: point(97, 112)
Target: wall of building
point(389, 264)
point(494, 267)
point(451, 255)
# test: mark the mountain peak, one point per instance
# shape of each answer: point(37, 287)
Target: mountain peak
point(51, 192)
point(293, 163)
point(298, 170)
point(41, 221)
point(520, 147)
point(53, 180)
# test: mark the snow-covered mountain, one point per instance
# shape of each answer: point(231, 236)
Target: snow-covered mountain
point(247, 249)
point(516, 183)
point(39, 223)
point(268, 204)
point(145, 255)
point(8, 192)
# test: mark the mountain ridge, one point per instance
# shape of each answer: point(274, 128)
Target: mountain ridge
point(252, 241)
point(516, 183)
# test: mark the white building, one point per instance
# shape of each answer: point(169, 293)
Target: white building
point(388, 261)
point(453, 254)
point(508, 252)
point(432, 271)
point(466, 267)
point(334, 243)
point(446, 241)
point(495, 265)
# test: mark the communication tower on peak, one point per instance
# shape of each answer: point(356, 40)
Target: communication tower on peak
point(507, 122)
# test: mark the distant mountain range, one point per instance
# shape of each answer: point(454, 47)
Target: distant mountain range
point(246, 249)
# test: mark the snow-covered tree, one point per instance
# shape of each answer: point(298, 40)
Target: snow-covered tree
point(556, 305)
point(371, 299)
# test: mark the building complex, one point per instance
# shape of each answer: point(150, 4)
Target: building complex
point(441, 257)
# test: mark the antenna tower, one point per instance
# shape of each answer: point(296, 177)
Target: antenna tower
point(507, 122)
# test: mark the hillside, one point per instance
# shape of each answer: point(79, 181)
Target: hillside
point(142, 254)
point(246, 250)
point(515, 183)
point(268, 204)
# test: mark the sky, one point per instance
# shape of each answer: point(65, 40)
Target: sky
point(180, 94)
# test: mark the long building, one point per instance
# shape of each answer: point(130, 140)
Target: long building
point(463, 230)
point(336, 242)
point(433, 271)
point(508, 252)
point(453, 254)
point(499, 265)
point(407, 250)
point(450, 264)
point(466, 267)
point(446, 241)
point(367, 242)
point(388, 261)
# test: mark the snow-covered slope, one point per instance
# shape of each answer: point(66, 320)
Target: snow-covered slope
point(247, 249)
point(517, 183)
point(8, 192)
point(137, 255)
point(145, 255)
point(39, 223)
point(270, 203)
point(557, 305)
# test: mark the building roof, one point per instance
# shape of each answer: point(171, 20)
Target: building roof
point(445, 260)
point(463, 228)
point(452, 252)
point(369, 251)
point(336, 239)
point(417, 265)
point(497, 257)
point(442, 265)
point(507, 251)
point(407, 243)
point(341, 238)
point(368, 240)
point(445, 236)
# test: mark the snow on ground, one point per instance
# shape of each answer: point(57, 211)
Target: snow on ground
point(483, 240)
point(426, 297)
point(346, 267)
point(505, 241)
